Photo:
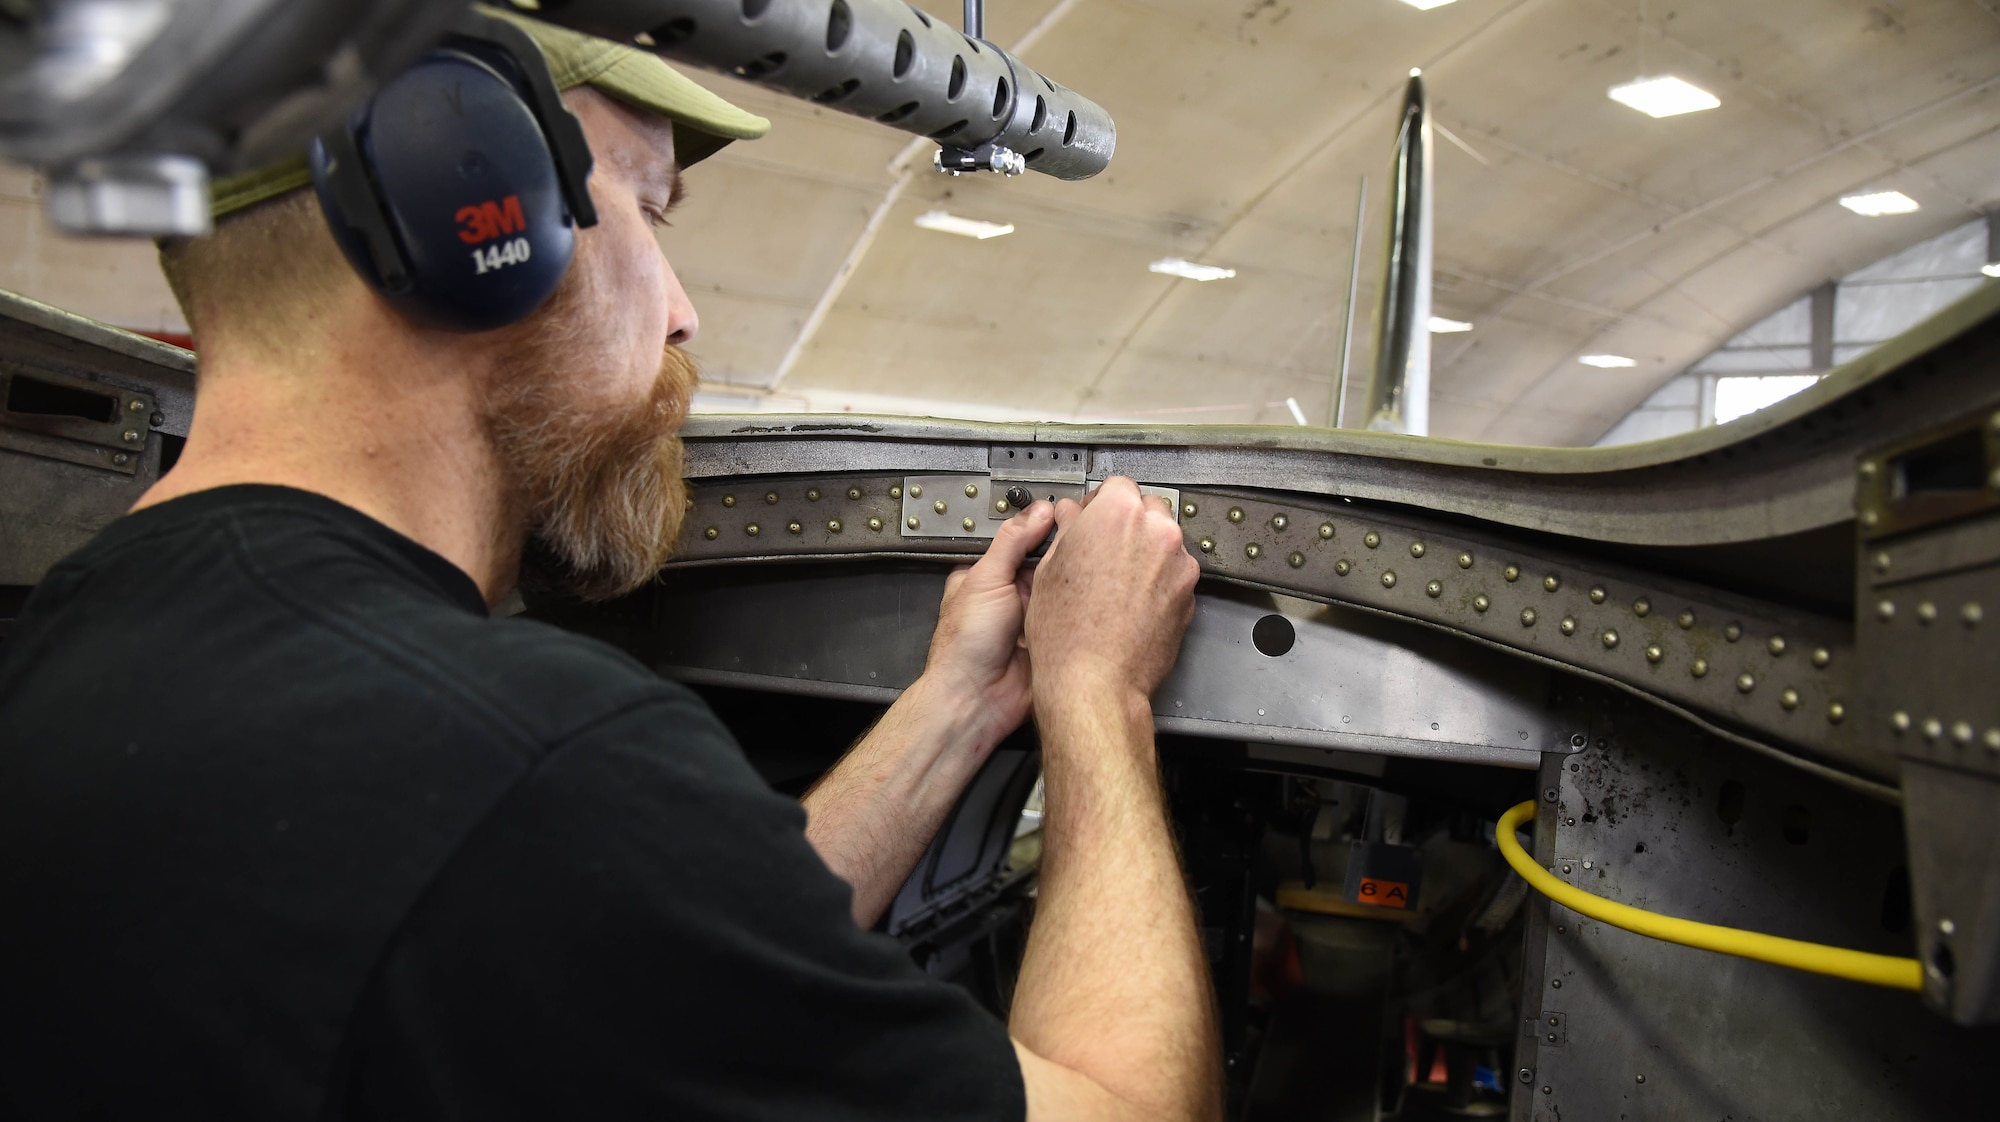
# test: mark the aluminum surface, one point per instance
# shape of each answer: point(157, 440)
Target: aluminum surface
point(1399, 390)
point(1662, 818)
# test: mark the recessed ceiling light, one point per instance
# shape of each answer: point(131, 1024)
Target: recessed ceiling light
point(1664, 97)
point(1991, 269)
point(964, 227)
point(1177, 267)
point(1875, 204)
point(1443, 326)
point(1426, 5)
point(1607, 362)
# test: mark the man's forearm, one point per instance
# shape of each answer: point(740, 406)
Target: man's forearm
point(1114, 984)
point(874, 813)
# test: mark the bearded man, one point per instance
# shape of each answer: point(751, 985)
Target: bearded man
point(292, 827)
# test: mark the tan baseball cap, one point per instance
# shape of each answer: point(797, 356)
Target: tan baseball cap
point(704, 123)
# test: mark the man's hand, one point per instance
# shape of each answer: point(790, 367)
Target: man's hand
point(977, 650)
point(1114, 595)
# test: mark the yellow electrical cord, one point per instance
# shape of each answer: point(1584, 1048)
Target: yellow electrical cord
point(1857, 966)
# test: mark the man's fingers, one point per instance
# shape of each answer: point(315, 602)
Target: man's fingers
point(1165, 506)
point(1067, 510)
point(1011, 544)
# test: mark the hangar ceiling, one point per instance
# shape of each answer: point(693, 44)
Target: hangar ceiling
point(1581, 226)
point(1573, 225)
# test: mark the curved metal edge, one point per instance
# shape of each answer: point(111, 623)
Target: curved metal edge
point(52, 319)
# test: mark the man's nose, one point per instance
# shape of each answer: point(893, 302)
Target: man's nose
point(683, 324)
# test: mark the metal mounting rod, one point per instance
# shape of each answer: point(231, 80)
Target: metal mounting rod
point(1399, 392)
point(879, 59)
point(975, 18)
point(1337, 416)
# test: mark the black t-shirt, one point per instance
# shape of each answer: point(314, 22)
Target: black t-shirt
point(291, 828)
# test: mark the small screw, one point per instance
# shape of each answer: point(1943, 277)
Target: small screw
point(1235, 514)
point(1480, 603)
point(1686, 619)
point(1371, 539)
point(1556, 984)
point(999, 506)
point(1835, 713)
point(135, 405)
point(1546, 1089)
point(1188, 510)
point(1869, 468)
point(133, 436)
point(1962, 732)
point(1279, 522)
point(1416, 549)
point(875, 524)
point(1342, 566)
point(1206, 545)
point(1434, 589)
point(751, 529)
point(1698, 668)
point(853, 493)
point(1654, 653)
point(1933, 728)
point(1640, 1078)
point(1253, 551)
point(972, 490)
point(1900, 721)
point(770, 498)
point(1733, 632)
point(939, 506)
point(1610, 639)
point(1821, 656)
point(1972, 613)
point(1512, 573)
point(1465, 560)
point(1326, 531)
point(833, 525)
point(1597, 594)
point(728, 500)
point(1552, 1040)
point(1552, 582)
point(157, 419)
point(1789, 698)
point(1642, 607)
point(1296, 560)
point(1527, 617)
point(711, 533)
point(795, 527)
point(1882, 562)
point(912, 522)
point(896, 491)
point(1566, 870)
point(966, 524)
point(1388, 578)
point(1549, 794)
point(1777, 645)
point(812, 494)
point(1527, 1075)
point(916, 490)
point(1745, 682)
point(121, 458)
point(1587, 865)
point(1885, 610)
point(1579, 740)
point(1567, 626)
point(1926, 612)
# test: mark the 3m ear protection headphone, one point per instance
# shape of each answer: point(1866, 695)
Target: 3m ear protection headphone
point(456, 191)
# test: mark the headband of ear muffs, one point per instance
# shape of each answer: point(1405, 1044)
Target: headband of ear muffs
point(456, 190)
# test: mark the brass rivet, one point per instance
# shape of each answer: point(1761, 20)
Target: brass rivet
point(1926, 612)
point(1187, 510)
point(1326, 531)
point(1207, 545)
point(1962, 732)
point(1933, 728)
point(999, 506)
point(1972, 613)
point(729, 500)
point(1733, 632)
point(1642, 607)
point(1235, 514)
point(875, 524)
point(1610, 639)
point(1527, 617)
point(1835, 712)
point(1388, 578)
point(121, 458)
point(1870, 518)
point(938, 506)
point(916, 490)
point(1552, 582)
point(1465, 560)
point(1686, 619)
point(1371, 539)
point(1568, 625)
point(896, 491)
point(136, 405)
point(812, 494)
point(1698, 668)
point(1511, 572)
point(972, 490)
point(1745, 682)
point(1993, 739)
point(1434, 588)
point(1597, 595)
point(1900, 721)
point(1480, 603)
point(1789, 698)
point(1885, 610)
point(833, 525)
point(966, 524)
point(751, 529)
point(1253, 551)
point(1777, 645)
point(132, 436)
point(711, 533)
point(1296, 560)
point(853, 494)
point(1416, 549)
point(1821, 656)
point(1882, 562)
point(1279, 522)
point(912, 522)
point(1654, 653)
point(770, 498)
point(1342, 566)
point(795, 527)
point(1869, 468)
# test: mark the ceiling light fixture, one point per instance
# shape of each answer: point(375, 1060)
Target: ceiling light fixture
point(1188, 270)
point(1426, 5)
point(1442, 326)
point(1875, 204)
point(964, 227)
point(1664, 97)
point(1991, 269)
point(1607, 362)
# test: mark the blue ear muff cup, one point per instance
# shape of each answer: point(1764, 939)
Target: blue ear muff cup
point(466, 181)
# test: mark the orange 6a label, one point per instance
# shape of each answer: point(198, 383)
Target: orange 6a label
point(482, 222)
point(1384, 893)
